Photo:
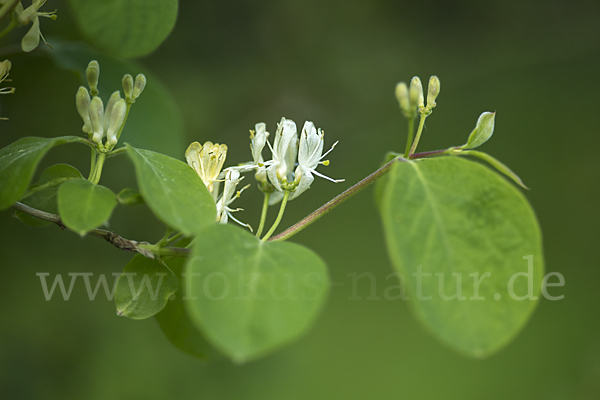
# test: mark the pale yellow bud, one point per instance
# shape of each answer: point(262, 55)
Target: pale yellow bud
point(402, 96)
point(128, 86)
point(97, 119)
point(416, 93)
point(116, 96)
point(433, 90)
point(92, 74)
point(140, 84)
point(117, 117)
point(82, 102)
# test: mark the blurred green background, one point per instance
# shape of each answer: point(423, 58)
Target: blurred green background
point(231, 64)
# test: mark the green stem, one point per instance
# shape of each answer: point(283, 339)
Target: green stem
point(116, 152)
point(8, 28)
point(331, 204)
point(163, 241)
point(95, 178)
point(263, 215)
point(92, 164)
point(419, 132)
point(411, 132)
point(279, 216)
point(173, 238)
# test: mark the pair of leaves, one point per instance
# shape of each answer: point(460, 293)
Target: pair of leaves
point(127, 28)
point(245, 296)
point(450, 220)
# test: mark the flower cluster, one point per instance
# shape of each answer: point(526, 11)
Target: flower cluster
point(101, 121)
point(291, 169)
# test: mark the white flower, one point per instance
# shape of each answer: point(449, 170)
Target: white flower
point(31, 14)
point(232, 178)
point(207, 160)
point(284, 153)
point(309, 157)
point(258, 139)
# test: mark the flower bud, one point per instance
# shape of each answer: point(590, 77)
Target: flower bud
point(82, 101)
point(128, 86)
point(402, 96)
point(117, 117)
point(416, 93)
point(97, 119)
point(433, 90)
point(140, 84)
point(92, 74)
point(109, 106)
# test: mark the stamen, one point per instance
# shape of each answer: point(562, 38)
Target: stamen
point(326, 177)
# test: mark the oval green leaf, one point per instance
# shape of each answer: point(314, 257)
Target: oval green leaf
point(177, 325)
point(448, 220)
point(173, 191)
point(144, 288)
point(127, 28)
point(248, 296)
point(483, 130)
point(42, 195)
point(18, 162)
point(84, 206)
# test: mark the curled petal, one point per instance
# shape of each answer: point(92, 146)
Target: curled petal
point(32, 39)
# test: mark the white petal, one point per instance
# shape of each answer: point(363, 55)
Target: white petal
point(306, 179)
point(32, 39)
point(272, 174)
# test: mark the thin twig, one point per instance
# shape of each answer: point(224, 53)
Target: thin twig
point(111, 237)
point(336, 201)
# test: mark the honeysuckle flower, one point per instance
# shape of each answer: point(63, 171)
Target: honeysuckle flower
point(31, 40)
point(284, 153)
point(232, 178)
point(207, 160)
point(258, 139)
point(310, 155)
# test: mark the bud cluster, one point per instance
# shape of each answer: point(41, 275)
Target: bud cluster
point(412, 100)
point(105, 122)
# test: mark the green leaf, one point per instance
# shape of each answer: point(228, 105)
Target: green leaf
point(84, 206)
point(248, 296)
point(42, 195)
point(483, 130)
point(496, 164)
point(18, 162)
point(176, 324)
point(154, 121)
point(130, 197)
point(127, 28)
point(451, 218)
point(144, 288)
point(173, 191)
